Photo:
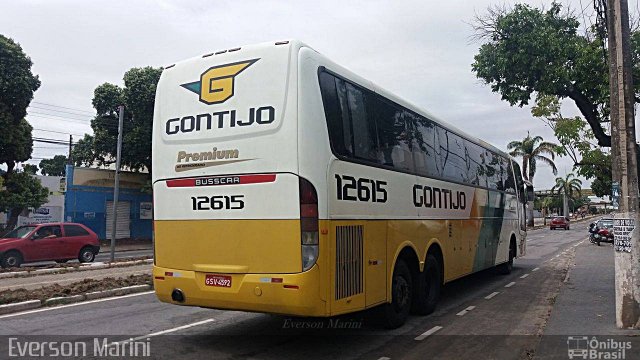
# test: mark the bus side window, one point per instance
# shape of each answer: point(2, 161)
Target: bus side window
point(340, 134)
point(519, 182)
point(423, 152)
point(363, 128)
point(393, 136)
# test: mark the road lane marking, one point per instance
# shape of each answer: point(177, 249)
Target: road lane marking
point(75, 304)
point(492, 295)
point(384, 358)
point(510, 284)
point(428, 332)
point(524, 276)
point(198, 323)
point(461, 313)
point(536, 269)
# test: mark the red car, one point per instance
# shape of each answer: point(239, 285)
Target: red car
point(42, 242)
point(559, 222)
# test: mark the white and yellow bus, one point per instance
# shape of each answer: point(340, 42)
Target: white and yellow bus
point(284, 183)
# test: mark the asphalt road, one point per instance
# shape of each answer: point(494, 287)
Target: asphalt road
point(483, 316)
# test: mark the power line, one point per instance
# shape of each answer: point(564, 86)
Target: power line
point(60, 111)
point(62, 119)
point(62, 107)
point(60, 116)
point(58, 132)
point(52, 141)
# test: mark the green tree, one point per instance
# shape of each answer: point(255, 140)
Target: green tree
point(138, 97)
point(533, 150)
point(16, 143)
point(568, 187)
point(83, 153)
point(53, 167)
point(17, 85)
point(528, 50)
point(22, 191)
point(30, 169)
point(17, 82)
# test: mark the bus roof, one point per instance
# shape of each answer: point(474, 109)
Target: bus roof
point(296, 45)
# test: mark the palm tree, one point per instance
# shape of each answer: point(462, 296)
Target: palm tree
point(533, 150)
point(567, 186)
point(532, 153)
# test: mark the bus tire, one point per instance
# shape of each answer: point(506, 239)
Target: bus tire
point(395, 313)
point(428, 287)
point(505, 269)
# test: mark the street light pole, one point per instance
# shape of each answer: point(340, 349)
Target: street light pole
point(116, 187)
point(624, 167)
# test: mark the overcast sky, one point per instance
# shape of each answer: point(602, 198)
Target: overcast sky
point(420, 50)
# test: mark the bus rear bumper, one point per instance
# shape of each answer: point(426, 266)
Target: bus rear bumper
point(289, 294)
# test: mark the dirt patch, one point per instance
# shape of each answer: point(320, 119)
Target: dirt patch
point(77, 288)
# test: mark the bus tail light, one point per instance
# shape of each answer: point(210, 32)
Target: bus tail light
point(308, 224)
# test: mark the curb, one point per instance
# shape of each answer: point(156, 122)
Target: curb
point(34, 304)
point(21, 306)
point(73, 268)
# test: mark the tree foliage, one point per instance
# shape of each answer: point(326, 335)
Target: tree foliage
point(17, 85)
point(569, 186)
point(529, 50)
point(22, 191)
point(16, 143)
point(138, 97)
point(533, 150)
point(54, 167)
point(30, 169)
point(17, 82)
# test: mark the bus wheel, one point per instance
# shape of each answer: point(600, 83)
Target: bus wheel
point(427, 290)
point(396, 312)
point(505, 269)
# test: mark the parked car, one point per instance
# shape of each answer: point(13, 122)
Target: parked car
point(602, 231)
point(59, 242)
point(559, 222)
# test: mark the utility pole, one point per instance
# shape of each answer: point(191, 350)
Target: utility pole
point(69, 162)
point(624, 167)
point(116, 187)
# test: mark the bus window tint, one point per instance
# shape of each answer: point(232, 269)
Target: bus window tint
point(424, 132)
point(473, 163)
point(509, 184)
point(455, 168)
point(364, 126)
point(339, 130)
point(392, 136)
point(364, 131)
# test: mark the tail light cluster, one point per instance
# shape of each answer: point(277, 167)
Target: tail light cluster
point(308, 224)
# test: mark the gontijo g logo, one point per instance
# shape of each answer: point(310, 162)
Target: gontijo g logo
point(216, 84)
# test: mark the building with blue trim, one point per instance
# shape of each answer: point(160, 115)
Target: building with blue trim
point(89, 201)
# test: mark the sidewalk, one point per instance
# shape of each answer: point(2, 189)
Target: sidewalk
point(585, 305)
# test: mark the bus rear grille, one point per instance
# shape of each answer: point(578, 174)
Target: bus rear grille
point(348, 261)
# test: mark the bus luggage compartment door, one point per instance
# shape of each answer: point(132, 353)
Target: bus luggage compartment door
point(228, 224)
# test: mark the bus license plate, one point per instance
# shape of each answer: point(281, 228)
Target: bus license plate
point(217, 280)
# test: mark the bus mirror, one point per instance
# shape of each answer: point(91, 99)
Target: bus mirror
point(529, 192)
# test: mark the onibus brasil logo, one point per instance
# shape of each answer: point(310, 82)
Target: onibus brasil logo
point(216, 85)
